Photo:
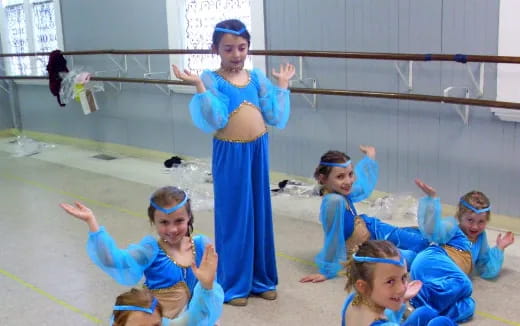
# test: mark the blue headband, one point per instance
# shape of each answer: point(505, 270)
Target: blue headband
point(136, 308)
point(170, 210)
point(399, 262)
point(341, 165)
point(230, 31)
point(478, 211)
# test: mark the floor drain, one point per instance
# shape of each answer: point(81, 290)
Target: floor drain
point(104, 157)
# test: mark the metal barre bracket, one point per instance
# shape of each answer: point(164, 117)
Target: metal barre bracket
point(301, 80)
point(148, 73)
point(479, 86)
point(464, 115)
point(409, 82)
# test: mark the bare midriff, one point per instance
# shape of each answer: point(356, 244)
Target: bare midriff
point(245, 124)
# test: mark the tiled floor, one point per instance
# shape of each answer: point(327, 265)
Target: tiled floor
point(48, 279)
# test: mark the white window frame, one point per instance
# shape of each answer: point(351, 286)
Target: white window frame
point(175, 10)
point(29, 30)
point(508, 74)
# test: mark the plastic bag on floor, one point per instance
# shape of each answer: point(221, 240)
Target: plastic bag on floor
point(24, 146)
point(394, 206)
point(195, 178)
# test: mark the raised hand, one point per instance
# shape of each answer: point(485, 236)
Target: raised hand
point(412, 288)
point(427, 189)
point(313, 278)
point(207, 269)
point(83, 213)
point(506, 240)
point(285, 73)
point(369, 151)
point(189, 77)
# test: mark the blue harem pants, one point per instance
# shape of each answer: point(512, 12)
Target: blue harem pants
point(446, 288)
point(244, 237)
point(409, 240)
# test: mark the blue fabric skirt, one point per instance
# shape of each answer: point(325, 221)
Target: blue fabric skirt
point(244, 236)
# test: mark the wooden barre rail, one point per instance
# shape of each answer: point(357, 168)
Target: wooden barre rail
point(302, 53)
point(320, 91)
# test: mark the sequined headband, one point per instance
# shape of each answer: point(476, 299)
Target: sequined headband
point(399, 262)
point(137, 308)
point(473, 208)
point(170, 210)
point(230, 31)
point(341, 165)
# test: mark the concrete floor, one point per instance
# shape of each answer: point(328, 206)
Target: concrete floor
point(48, 279)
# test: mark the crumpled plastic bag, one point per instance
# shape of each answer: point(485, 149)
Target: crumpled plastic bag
point(394, 206)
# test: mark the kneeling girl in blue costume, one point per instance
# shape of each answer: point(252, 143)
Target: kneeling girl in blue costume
point(460, 247)
point(179, 269)
point(237, 104)
point(378, 281)
point(344, 230)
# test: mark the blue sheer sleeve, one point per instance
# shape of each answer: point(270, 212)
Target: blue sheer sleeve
point(367, 172)
point(209, 110)
point(274, 101)
point(126, 266)
point(205, 306)
point(489, 260)
point(433, 226)
point(334, 252)
point(395, 317)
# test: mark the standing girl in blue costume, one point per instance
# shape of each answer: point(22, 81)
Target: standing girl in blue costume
point(459, 248)
point(237, 104)
point(344, 230)
point(379, 286)
point(179, 269)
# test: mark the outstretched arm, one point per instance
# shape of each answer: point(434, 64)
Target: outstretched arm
point(83, 213)
point(126, 266)
point(432, 225)
point(490, 260)
point(187, 76)
point(367, 173)
point(334, 251)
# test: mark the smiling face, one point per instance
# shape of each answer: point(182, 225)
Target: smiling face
point(473, 224)
point(389, 285)
point(173, 227)
point(339, 180)
point(470, 222)
point(232, 50)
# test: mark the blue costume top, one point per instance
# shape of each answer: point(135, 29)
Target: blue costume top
point(127, 267)
point(211, 110)
point(420, 317)
point(338, 219)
